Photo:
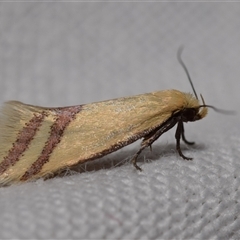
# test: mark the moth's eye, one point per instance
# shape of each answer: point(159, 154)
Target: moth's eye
point(189, 114)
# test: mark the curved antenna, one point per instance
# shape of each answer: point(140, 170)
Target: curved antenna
point(227, 112)
point(179, 53)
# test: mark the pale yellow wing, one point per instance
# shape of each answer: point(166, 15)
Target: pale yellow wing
point(36, 141)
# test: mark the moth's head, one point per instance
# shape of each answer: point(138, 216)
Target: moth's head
point(202, 112)
point(195, 111)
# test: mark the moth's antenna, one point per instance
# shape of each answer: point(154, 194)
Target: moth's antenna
point(227, 112)
point(179, 53)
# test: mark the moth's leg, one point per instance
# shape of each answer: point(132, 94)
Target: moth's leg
point(148, 136)
point(183, 137)
point(134, 159)
point(150, 146)
point(152, 137)
point(178, 134)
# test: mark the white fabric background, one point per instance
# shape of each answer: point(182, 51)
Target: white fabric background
point(59, 54)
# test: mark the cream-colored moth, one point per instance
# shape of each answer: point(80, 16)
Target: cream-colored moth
point(37, 141)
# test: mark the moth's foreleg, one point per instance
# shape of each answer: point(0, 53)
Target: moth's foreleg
point(178, 134)
point(184, 139)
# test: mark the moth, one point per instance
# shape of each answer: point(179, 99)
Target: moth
point(38, 141)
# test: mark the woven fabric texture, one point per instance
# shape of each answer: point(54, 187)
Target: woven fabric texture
point(61, 54)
